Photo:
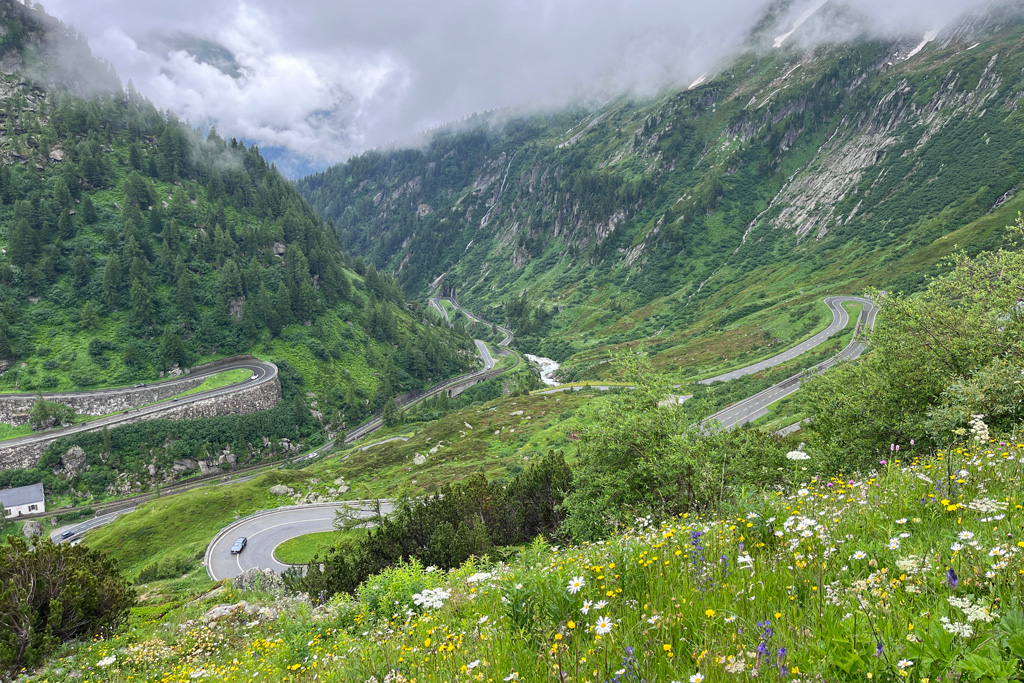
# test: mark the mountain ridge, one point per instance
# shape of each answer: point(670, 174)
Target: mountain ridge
point(761, 180)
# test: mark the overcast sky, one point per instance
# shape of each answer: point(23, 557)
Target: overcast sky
point(330, 78)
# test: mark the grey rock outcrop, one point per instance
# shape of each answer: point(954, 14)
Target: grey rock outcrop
point(281, 490)
point(259, 580)
point(71, 463)
point(240, 609)
point(310, 498)
point(32, 528)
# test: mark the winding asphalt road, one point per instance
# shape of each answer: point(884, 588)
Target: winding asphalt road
point(261, 372)
point(267, 530)
point(75, 531)
point(750, 409)
point(436, 303)
point(840, 318)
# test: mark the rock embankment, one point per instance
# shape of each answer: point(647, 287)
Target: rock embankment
point(14, 409)
point(247, 399)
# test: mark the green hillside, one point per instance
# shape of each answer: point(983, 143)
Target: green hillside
point(708, 221)
point(131, 244)
point(612, 536)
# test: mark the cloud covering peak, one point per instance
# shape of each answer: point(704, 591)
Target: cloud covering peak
point(326, 80)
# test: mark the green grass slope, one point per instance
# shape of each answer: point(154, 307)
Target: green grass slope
point(787, 585)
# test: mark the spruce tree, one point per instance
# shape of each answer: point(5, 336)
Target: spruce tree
point(89, 317)
point(141, 302)
point(112, 282)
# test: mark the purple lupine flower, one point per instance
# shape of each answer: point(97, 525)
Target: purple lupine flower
point(762, 650)
point(951, 578)
point(783, 671)
point(879, 649)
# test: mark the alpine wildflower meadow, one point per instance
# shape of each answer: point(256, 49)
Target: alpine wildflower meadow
point(911, 571)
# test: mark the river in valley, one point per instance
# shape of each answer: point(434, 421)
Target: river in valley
point(548, 368)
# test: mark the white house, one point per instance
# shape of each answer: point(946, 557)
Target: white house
point(24, 500)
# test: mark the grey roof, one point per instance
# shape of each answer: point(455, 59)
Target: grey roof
point(23, 495)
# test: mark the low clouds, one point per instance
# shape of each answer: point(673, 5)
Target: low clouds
point(325, 79)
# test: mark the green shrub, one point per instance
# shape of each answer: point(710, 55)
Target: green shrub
point(170, 568)
point(639, 457)
point(467, 519)
point(51, 594)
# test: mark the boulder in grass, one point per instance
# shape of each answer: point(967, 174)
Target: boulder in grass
point(257, 579)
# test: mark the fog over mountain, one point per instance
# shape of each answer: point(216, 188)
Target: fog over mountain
point(325, 80)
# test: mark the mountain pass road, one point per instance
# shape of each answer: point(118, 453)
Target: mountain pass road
point(261, 372)
point(840, 318)
point(750, 409)
point(267, 530)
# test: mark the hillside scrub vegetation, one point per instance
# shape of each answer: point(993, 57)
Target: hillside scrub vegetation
point(50, 594)
point(909, 570)
point(639, 453)
point(937, 359)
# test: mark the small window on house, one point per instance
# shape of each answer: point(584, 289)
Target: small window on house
point(33, 508)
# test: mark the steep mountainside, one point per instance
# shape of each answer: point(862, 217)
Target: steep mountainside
point(712, 220)
point(130, 245)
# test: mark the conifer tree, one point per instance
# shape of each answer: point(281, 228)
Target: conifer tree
point(141, 302)
point(112, 282)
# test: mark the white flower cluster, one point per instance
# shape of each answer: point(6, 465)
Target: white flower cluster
point(987, 505)
point(979, 429)
point(957, 628)
point(974, 611)
point(431, 598)
point(911, 564)
point(797, 455)
point(799, 523)
point(479, 576)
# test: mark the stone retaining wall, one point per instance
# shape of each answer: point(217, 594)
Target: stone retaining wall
point(247, 399)
point(14, 410)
